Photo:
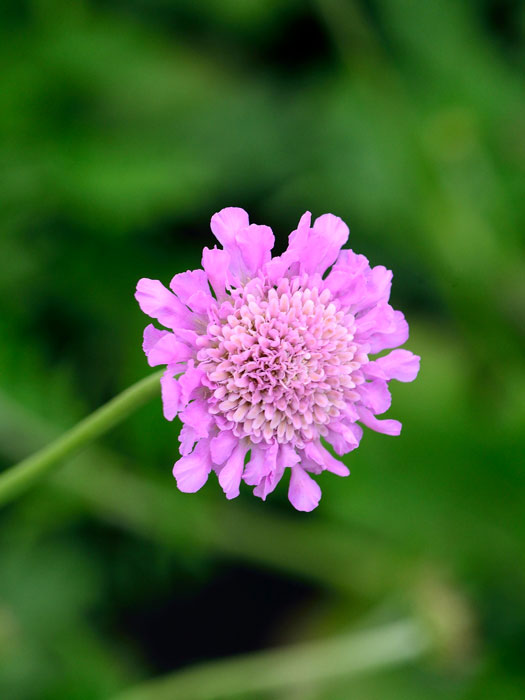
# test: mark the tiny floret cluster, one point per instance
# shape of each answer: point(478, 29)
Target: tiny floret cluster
point(268, 360)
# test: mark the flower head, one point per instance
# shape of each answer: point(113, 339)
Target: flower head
point(267, 359)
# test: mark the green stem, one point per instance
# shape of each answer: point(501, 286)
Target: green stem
point(26, 473)
point(297, 666)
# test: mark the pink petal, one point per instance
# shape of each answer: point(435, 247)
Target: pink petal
point(268, 483)
point(388, 427)
point(193, 290)
point(257, 467)
point(151, 337)
point(298, 242)
point(277, 267)
point(344, 437)
point(330, 233)
point(200, 302)
point(197, 415)
point(249, 246)
point(397, 334)
point(192, 471)
point(222, 446)
point(298, 239)
point(168, 351)
point(347, 278)
point(375, 395)
point(216, 264)
point(377, 283)
point(278, 458)
point(262, 462)
point(273, 471)
point(398, 364)
point(316, 248)
point(158, 302)
point(318, 454)
point(357, 286)
point(187, 336)
point(170, 390)
point(255, 244)
point(379, 318)
point(304, 493)
point(185, 284)
point(225, 224)
point(190, 381)
point(231, 472)
point(378, 286)
point(287, 456)
point(187, 439)
point(310, 466)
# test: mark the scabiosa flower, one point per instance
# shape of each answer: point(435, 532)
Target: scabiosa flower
point(268, 359)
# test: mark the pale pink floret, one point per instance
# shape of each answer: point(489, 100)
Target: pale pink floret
point(267, 359)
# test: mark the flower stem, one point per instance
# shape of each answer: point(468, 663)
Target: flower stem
point(25, 474)
point(296, 666)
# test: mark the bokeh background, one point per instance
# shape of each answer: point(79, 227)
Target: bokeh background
point(124, 125)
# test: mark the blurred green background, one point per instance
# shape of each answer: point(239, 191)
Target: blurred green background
point(124, 125)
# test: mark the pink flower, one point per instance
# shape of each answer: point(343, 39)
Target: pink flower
point(267, 360)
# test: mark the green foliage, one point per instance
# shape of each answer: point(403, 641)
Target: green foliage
point(124, 124)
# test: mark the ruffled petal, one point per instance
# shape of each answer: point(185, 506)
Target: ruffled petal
point(257, 467)
point(375, 395)
point(176, 393)
point(268, 483)
point(402, 365)
point(248, 245)
point(330, 233)
point(379, 318)
point(316, 248)
point(380, 327)
point(377, 288)
point(222, 446)
point(192, 288)
point(187, 439)
point(226, 223)
point(388, 426)
point(304, 493)
point(272, 470)
point(346, 278)
point(170, 390)
point(287, 456)
point(168, 351)
point(192, 471)
point(318, 454)
point(158, 302)
point(255, 244)
point(344, 437)
point(216, 263)
point(197, 416)
point(298, 239)
point(298, 244)
point(187, 336)
point(152, 336)
point(357, 286)
point(278, 458)
point(230, 474)
point(185, 284)
point(190, 381)
point(395, 336)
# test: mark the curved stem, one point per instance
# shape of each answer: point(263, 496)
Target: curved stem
point(297, 666)
point(26, 473)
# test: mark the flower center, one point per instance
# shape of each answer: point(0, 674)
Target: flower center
point(280, 361)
